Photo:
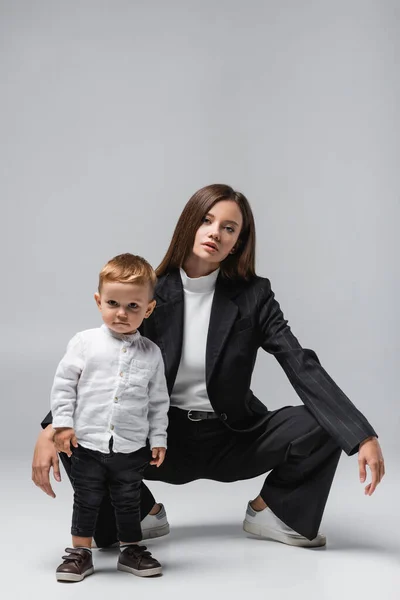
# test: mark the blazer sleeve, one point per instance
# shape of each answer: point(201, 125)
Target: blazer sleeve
point(47, 420)
point(325, 400)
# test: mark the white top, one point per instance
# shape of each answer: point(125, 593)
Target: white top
point(110, 384)
point(190, 391)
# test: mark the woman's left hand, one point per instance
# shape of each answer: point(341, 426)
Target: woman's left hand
point(370, 454)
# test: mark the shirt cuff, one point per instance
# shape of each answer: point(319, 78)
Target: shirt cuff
point(63, 422)
point(158, 441)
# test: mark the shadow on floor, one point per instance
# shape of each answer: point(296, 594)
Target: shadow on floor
point(337, 541)
point(352, 541)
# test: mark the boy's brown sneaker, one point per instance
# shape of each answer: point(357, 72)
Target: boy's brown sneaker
point(139, 561)
point(77, 565)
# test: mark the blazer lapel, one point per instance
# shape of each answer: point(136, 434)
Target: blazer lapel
point(223, 315)
point(168, 321)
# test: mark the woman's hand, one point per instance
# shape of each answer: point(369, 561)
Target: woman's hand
point(44, 457)
point(158, 455)
point(63, 438)
point(370, 454)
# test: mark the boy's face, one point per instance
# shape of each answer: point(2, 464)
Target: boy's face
point(123, 306)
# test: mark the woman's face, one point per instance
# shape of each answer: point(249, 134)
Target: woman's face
point(218, 234)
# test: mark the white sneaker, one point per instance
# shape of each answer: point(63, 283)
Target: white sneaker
point(266, 524)
point(154, 526)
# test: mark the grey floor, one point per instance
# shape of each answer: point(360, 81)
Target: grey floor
point(207, 552)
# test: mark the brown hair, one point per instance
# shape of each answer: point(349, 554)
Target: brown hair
point(128, 268)
point(240, 264)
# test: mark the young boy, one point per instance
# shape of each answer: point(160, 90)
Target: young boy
point(109, 395)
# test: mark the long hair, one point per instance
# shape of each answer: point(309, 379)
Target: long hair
point(241, 264)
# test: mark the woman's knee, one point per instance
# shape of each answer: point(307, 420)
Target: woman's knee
point(302, 428)
point(299, 418)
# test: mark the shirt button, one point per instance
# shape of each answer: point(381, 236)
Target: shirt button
point(115, 399)
point(223, 416)
point(123, 349)
point(111, 427)
point(121, 374)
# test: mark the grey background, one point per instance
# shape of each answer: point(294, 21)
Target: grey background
point(114, 113)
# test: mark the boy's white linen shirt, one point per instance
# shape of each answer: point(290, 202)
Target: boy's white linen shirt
point(112, 385)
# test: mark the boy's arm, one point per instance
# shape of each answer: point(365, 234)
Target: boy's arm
point(64, 390)
point(158, 406)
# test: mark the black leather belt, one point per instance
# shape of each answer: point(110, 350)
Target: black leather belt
point(200, 415)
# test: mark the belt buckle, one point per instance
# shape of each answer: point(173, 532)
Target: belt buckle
point(190, 418)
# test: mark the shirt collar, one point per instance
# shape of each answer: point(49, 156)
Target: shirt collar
point(130, 338)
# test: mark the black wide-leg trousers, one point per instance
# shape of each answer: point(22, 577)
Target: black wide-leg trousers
point(300, 454)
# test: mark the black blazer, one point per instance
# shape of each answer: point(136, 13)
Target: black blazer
point(244, 317)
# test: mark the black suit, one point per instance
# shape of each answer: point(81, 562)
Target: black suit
point(245, 317)
point(300, 445)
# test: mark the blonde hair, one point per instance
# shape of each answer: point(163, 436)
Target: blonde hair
point(128, 268)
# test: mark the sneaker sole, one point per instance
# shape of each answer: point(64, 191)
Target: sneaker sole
point(155, 532)
point(74, 576)
point(277, 536)
point(140, 573)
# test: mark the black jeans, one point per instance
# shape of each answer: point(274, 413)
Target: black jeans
point(300, 454)
point(115, 475)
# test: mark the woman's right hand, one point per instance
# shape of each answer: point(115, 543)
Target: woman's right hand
point(44, 457)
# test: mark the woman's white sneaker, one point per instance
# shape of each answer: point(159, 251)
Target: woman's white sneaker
point(266, 524)
point(154, 526)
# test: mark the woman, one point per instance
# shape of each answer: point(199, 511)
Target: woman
point(213, 313)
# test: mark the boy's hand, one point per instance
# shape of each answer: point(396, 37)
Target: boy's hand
point(158, 455)
point(63, 438)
